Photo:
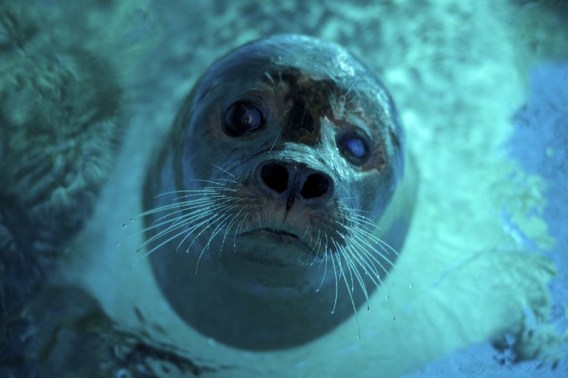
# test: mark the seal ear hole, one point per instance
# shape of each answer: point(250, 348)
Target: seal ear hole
point(394, 138)
point(241, 118)
point(354, 148)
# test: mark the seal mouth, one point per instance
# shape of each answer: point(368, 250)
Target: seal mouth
point(276, 234)
point(281, 238)
point(278, 247)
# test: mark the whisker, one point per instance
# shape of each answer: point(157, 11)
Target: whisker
point(211, 237)
point(315, 248)
point(275, 139)
point(239, 227)
point(177, 223)
point(338, 257)
point(164, 220)
point(216, 219)
point(354, 272)
point(222, 170)
point(228, 229)
point(193, 212)
point(384, 245)
point(325, 255)
point(155, 248)
point(335, 273)
point(366, 249)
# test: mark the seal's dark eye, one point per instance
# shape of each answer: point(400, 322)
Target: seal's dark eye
point(242, 118)
point(354, 148)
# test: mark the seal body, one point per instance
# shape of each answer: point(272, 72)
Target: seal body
point(280, 200)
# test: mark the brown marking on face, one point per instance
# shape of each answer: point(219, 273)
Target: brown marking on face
point(308, 101)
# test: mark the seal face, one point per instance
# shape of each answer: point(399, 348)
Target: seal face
point(277, 204)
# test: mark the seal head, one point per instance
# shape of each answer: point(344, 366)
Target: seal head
point(277, 204)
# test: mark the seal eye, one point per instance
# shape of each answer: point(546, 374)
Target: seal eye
point(354, 148)
point(242, 118)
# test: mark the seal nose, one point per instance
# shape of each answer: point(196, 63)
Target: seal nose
point(291, 181)
point(275, 176)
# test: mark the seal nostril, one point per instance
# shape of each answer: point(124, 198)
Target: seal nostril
point(316, 185)
point(275, 176)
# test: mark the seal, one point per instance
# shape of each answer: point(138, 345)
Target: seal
point(279, 201)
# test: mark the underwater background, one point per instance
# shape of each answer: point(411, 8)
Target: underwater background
point(89, 90)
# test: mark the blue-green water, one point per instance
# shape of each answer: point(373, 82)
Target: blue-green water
point(481, 89)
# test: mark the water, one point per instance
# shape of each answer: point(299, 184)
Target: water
point(481, 90)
